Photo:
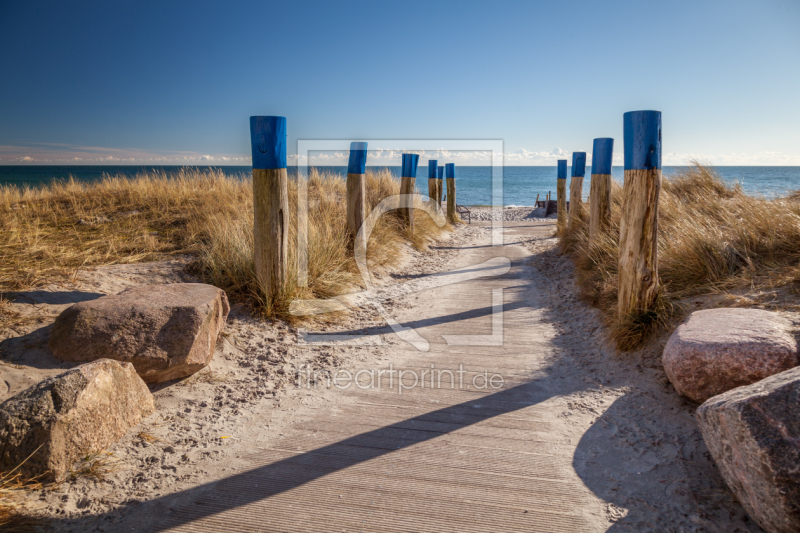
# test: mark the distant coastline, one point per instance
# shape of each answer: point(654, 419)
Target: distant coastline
point(521, 184)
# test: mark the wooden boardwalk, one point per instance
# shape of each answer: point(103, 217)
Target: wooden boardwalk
point(429, 459)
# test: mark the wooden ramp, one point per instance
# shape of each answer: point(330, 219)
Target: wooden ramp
point(429, 459)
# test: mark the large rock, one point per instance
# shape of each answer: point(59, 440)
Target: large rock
point(753, 433)
point(81, 411)
point(166, 331)
point(720, 349)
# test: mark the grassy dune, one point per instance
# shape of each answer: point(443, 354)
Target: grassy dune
point(47, 234)
point(714, 243)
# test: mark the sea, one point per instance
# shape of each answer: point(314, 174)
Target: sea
point(474, 184)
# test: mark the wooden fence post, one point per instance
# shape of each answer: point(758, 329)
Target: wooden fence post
point(452, 217)
point(638, 230)
point(440, 186)
point(270, 203)
point(561, 195)
point(408, 179)
point(433, 183)
point(600, 188)
point(356, 189)
point(576, 214)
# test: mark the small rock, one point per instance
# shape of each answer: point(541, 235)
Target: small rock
point(81, 411)
point(753, 434)
point(717, 350)
point(166, 331)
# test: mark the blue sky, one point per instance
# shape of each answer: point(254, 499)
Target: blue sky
point(176, 82)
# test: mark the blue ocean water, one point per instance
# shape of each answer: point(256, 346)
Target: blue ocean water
point(474, 184)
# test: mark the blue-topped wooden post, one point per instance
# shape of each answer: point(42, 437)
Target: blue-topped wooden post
point(452, 216)
point(270, 203)
point(561, 195)
point(433, 183)
point(440, 186)
point(576, 214)
point(638, 229)
point(408, 179)
point(600, 188)
point(356, 189)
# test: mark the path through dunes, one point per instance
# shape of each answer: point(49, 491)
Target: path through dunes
point(574, 439)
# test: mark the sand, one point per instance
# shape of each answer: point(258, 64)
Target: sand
point(633, 442)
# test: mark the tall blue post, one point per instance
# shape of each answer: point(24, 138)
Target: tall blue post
point(270, 204)
point(408, 179)
point(600, 188)
point(638, 229)
point(452, 217)
point(561, 195)
point(440, 185)
point(576, 214)
point(432, 181)
point(356, 189)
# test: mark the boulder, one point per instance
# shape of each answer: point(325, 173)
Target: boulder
point(717, 350)
point(66, 417)
point(753, 434)
point(166, 331)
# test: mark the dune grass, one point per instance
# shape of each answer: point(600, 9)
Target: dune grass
point(713, 239)
point(47, 234)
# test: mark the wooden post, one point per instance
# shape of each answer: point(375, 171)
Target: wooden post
point(408, 179)
point(433, 183)
point(270, 203)
point(638, 230)
point(452, 216)
point(561, 195)
point(536, 203)
point(440, 186)
point(600, 189)
point(576, 214)
point(356, 190)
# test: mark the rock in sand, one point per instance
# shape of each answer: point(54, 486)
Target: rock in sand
point(166, 331)
point(717, 350)
point(753, 434)
point(66, 417)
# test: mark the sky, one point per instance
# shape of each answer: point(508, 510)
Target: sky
point(140, 82)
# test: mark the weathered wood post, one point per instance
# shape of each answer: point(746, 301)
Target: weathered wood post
point(356, 189)
point(561, 194)
point(440, 186)
point(638, 251)
point(408, 179)
point(576, 189)
point(270, 203)
point(600, 188)
point(452, 217)
point(433, 183)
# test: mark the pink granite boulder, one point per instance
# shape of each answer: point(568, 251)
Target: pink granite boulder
point(66, 417)
point(165, 331)
point(717, 350)
point(753, 434)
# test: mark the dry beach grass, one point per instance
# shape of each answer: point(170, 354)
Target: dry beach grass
point(48, 233)
point(713, 239)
